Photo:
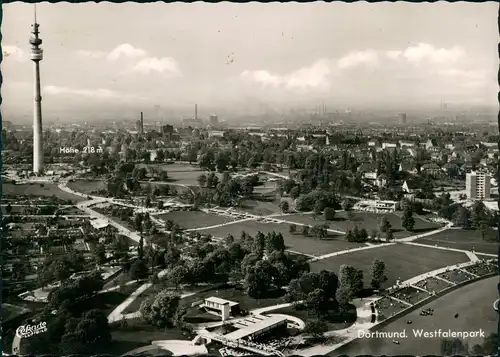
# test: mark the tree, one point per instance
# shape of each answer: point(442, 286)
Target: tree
point(229, 239)
point(462, 218)
point(305, 230)
point(99, 253)
point(138, 270)
point(385, 225)
point(285, 206)
point(489, 347)
point(160, 311)
point(202, 180)
point(85, 333)
point(292, 228)
point(453, 347)
point(319, 231)
point(177, 275)
point(316, 328)
point(408, 222)
point(294, 192)
point(478, 214)
point(258, 280)
point(389, 235)
point(329, 214)
point(484, 228)
point(318, 207)
point(275, 242)
point(347, 205)
point(8, 209)
point(377, 274)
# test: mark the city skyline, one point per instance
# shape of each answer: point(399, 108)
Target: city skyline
point(269, 53)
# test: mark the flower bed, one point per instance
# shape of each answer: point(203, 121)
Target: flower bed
point(410, 295)
point(481, 268)
point(433, 285)
point(455, 276)
point(386, 307)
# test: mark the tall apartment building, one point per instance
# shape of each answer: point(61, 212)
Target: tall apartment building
point(477, 185)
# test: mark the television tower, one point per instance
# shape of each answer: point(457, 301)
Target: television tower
point(36, 56)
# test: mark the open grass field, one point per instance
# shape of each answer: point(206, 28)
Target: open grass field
point(402, 261)
point(464, 239)
point(38, 189)
point(307, 316)
point(194, 219)
point(474, 305)
point(87, 186)
point(367, 220)
point(295, 242)
point(108, 301)
point(184, 174)
point(137, 334)
point(260, 208)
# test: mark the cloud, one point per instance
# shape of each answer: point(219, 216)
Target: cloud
point(314, 76)
point(354, 59)
point(125, 50)
point(95, 93)
point(154, 64)
point(13, 52)
point(424, 52)
point(142, 61)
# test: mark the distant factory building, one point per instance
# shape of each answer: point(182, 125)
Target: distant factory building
point(214, 120)
point(402, 118)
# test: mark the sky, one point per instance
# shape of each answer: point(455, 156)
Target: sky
point(113, 56)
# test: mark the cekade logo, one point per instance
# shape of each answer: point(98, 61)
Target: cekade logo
point(28, 330)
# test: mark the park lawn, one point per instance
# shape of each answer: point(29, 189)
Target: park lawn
point(295, 242)
point(87, 186)
point(146, 294)
point(39, 189)
point(108, 301)
point(194, 219)
point(402, 261)
point(367, 220)
point(465, 239)
point(259, 208)
point(171, 167)
point(306, 316)
point(137, 333)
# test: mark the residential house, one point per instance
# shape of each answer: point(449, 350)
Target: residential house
point(410, 186)
point(408, 167)
point(451, 169)
point(381, 180)
point(431, 144)
point(431, 169)
point(406, 144)
point(304, 148)
point(389, 146)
